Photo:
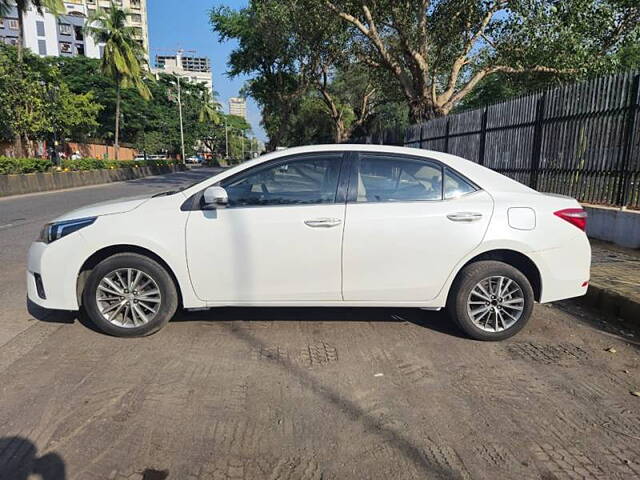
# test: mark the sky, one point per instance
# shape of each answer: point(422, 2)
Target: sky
point(175, 24)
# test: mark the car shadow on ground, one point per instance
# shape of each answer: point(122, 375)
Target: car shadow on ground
point(432, 320)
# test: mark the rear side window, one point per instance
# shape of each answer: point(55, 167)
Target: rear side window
point(300, 181)
point(383, 178)
point(455, 186)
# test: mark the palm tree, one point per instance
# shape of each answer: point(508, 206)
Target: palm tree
point(123, 59)
point(209, 108)
point(54, 6)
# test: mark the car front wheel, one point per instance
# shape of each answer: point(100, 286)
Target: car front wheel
point(129, 295)
point(491, 300)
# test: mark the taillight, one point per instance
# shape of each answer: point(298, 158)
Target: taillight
point(575, 216)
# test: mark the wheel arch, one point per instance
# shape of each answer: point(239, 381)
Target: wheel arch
point(106, 252)
point(514, 258)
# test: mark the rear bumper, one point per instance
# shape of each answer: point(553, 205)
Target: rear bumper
point(564, 270)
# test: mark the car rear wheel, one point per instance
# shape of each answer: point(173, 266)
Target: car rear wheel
point(491, 300)
point(130, 295)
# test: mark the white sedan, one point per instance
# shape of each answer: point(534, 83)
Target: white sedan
point(329, 225)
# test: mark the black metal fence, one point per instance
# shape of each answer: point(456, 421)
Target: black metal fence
point(581, 140)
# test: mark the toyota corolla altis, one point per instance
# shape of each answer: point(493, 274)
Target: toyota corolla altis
point(332, 225)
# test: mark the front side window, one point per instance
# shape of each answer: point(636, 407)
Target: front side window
point(382, 178)
point(300, 181)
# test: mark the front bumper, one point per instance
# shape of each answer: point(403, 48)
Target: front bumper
point(57, 265)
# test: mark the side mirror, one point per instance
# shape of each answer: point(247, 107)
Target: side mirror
point(215, 197)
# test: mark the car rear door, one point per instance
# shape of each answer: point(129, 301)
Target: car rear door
point(404, 230)
point(280, 238)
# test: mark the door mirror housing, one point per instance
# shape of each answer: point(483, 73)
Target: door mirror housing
point(215, 197)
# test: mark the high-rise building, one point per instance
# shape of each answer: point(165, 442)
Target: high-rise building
point(192, 68)
point(48, 35)
point(238, 106)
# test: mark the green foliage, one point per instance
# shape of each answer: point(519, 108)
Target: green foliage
point(36, 103)
point(420, 59)
point(123, 57)
point(10, 165)
point(152, 126)
point(99, 164)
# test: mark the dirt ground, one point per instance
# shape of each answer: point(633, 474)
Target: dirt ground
point(322, 393)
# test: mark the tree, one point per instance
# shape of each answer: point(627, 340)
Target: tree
point(265, 50)
point(209, 109)
point(35, 103)
point(123, 58)
point(438, 51)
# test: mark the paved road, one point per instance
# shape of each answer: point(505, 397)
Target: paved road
point(305, 393)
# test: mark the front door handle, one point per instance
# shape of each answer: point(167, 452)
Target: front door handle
point(464, 216)
point(323, 222)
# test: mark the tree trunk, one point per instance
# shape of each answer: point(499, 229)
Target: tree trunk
point(19, 146)
point(20, 45)
point(422, 110)
point(116, 145)
point(340, 131)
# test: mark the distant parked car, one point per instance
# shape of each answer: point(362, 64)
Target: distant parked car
point(194, 159)
point(333, 225)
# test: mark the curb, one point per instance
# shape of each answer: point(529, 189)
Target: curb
point(612, 303)
point(20, 184)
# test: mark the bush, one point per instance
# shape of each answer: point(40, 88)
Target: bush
point(23, 165)
point(10, 165)
point(97, 164)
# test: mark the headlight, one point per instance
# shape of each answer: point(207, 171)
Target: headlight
point(56, 230)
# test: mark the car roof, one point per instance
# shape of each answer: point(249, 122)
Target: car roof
point(484, 177)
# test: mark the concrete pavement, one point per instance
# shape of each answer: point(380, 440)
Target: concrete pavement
point(299, 393)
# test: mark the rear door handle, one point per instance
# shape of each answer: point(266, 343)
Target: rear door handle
point(464, 216)
point(323, 222)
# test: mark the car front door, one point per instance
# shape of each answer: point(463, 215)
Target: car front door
point(279, 239)
point(405, 229)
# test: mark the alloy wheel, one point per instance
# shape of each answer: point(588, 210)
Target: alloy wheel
point(495, 303)
point(128, 297)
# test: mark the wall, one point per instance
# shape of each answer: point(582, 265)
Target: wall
point(43, 182)
point(610, 224)
point(94, 150)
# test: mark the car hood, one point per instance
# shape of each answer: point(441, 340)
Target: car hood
point(106, 208)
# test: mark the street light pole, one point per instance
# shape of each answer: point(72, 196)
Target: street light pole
point(226, 140)
point(184, 161)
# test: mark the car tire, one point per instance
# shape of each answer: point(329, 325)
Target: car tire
point(144, 310)
point(490, 319)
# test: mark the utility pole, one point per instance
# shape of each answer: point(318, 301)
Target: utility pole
point(184, 160)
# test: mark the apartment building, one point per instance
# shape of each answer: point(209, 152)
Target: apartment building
point(48, 35)
point(238, 107)
point(186, 65)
